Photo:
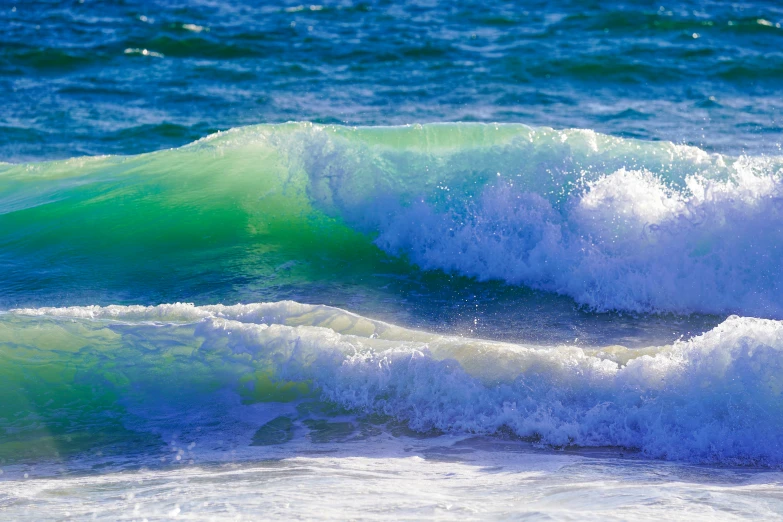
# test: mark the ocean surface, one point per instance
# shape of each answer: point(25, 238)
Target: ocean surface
point(391, 260)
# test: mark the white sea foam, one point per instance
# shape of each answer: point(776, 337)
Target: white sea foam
point(406, 479)
point(627, 242)
point(615, 224)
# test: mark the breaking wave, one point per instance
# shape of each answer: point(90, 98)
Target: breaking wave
point(713, 398)
point(615, 224)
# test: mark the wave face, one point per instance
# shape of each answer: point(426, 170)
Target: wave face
point(615, 224)
point(74, 377)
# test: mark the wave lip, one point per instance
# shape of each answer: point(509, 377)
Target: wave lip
point(714, 398)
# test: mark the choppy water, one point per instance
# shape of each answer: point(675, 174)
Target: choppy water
point(500, 316)
point(128, 77)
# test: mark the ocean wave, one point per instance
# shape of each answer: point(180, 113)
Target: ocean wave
point(713, 398)
point(615, 224)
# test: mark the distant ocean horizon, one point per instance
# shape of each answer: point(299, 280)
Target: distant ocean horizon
point(384, 260)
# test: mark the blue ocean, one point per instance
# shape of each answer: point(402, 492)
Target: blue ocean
point(389, 260)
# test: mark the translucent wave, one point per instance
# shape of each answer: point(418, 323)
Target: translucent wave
point(615, 224)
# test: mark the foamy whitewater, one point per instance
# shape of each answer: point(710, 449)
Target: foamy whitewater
point(506, 321)
point(710, 399)
point(614, 224)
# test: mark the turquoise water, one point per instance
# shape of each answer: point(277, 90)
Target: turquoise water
point(476, 261)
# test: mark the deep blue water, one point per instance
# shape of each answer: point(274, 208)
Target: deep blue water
point(122, 77)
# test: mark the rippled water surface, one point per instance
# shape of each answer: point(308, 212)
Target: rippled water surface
point(88, 77)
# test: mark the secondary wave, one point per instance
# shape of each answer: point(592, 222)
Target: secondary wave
point(713, 398)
